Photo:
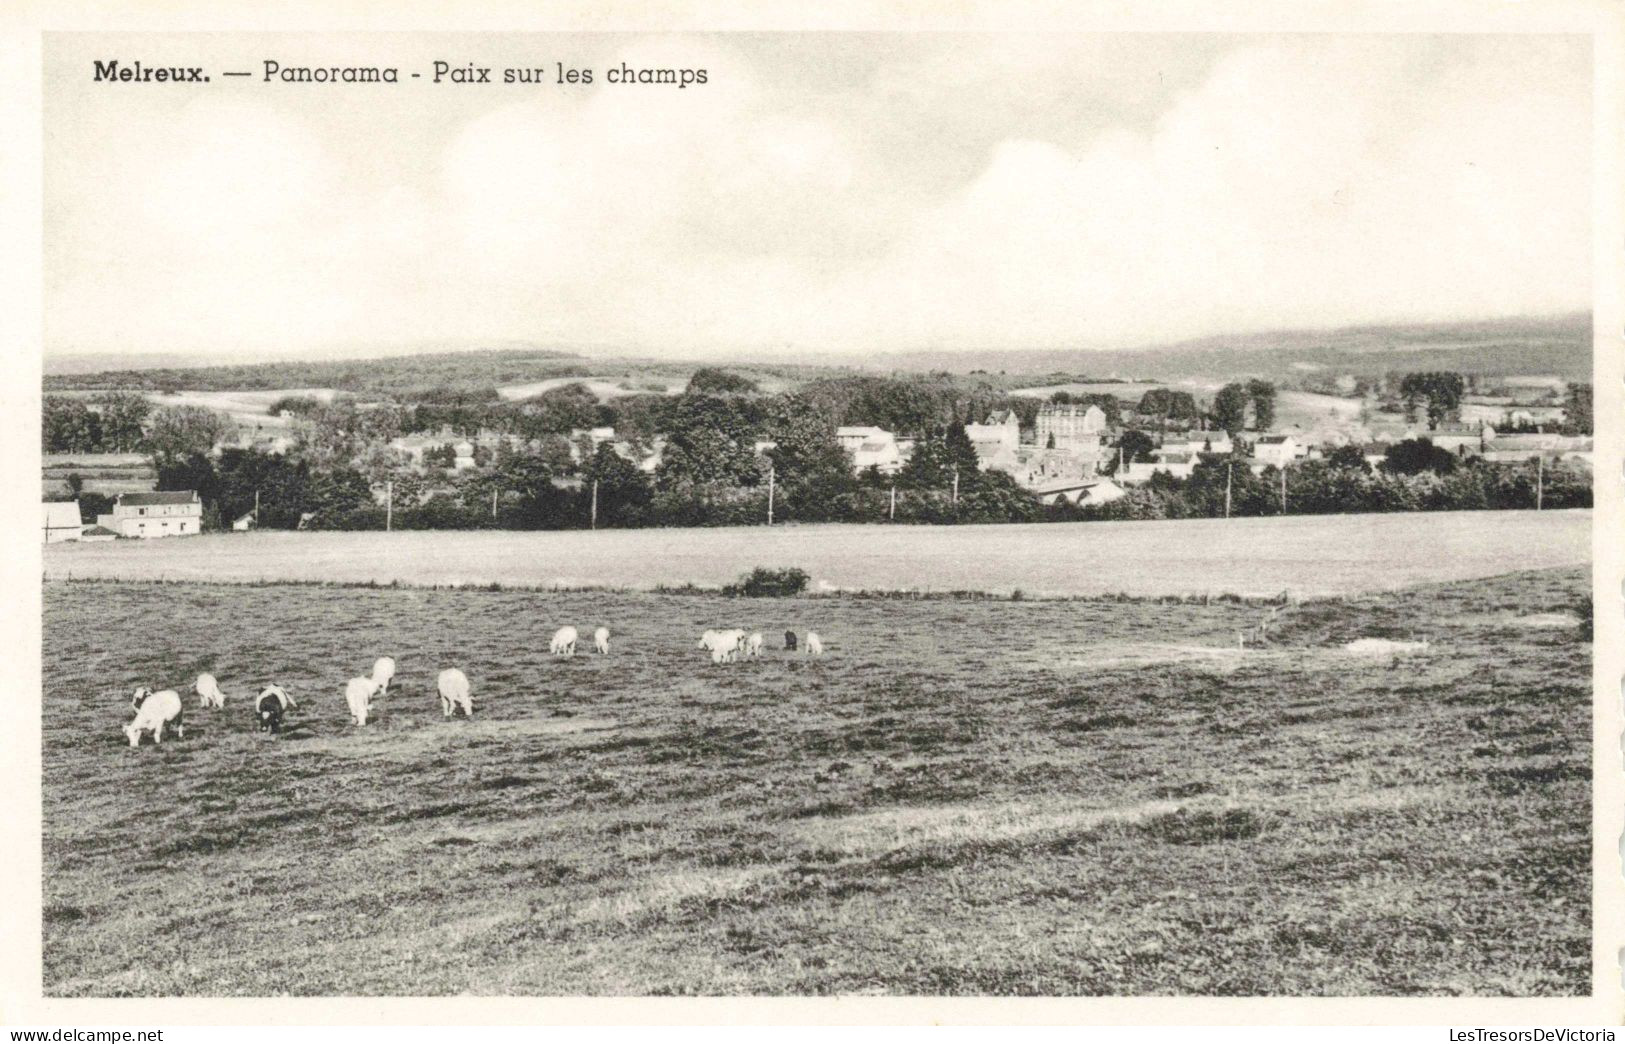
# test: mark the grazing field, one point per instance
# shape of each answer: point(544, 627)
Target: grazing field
point(959, 798)
point(1316, 413)
point(1308, 555)
point(107, 473)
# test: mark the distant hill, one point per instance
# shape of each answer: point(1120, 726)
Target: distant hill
point(1554, 345)
point(1559, 345)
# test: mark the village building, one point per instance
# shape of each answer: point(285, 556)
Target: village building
point(1375, 453)
point(1198, 442)
point(594, 436)
point(1508, 412)
point(150, 515)
point(1512, 449)
point(1463, 440)
point(62, 521)
point(1044, 467)
point(1178, 465)
point(870, 447)
point(852, 436)
point(880, 454)
point(245, 523)
point(1276, 450)
point(493, 441)
point(995, 455)
point(1002, 430)
point(1069, 425)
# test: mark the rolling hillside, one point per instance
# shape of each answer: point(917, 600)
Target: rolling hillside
point(1554, 345)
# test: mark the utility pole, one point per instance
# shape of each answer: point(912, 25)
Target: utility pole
point(892, 517)
point(1228, 468)
point(256, 507)
point(594, 522)
point(956, 485)
point(389, 505)
point(493, 503)
point(770, 477)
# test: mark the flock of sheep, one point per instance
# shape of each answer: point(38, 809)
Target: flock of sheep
point(156, 711)
point(731, 645)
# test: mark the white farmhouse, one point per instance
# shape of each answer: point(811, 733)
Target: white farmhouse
point(150, 515)
point(1178, 465)
point(852, 436)
point(1195, 442)
point(870, 447)
point(1277, 450)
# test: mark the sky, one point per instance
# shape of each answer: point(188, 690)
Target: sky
point(832, 194)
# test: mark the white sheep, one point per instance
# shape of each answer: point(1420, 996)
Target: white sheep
point(600, 641)
point(815, 647)
point(208, 692)
point(564, 641)
point(358, 696)
point(724, 645)
point(383, 672)
point(753, 644)
point(156, 710)
point(711, 642)
point(454, 692)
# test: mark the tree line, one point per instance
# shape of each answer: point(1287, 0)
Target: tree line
point(729, 449)
point(1415, 476)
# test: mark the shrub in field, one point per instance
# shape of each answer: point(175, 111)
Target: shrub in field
point(762, 582)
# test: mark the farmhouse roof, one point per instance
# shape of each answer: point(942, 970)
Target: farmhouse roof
point(182, 496)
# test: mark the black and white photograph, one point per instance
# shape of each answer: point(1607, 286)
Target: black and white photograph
point(997, 513)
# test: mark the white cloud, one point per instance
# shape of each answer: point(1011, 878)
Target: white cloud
point(1300, 181)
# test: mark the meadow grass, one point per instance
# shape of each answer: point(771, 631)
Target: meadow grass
point(1307, 555)
point(961, 797)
